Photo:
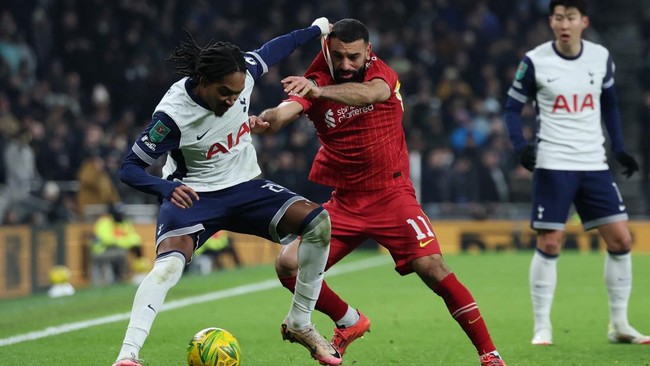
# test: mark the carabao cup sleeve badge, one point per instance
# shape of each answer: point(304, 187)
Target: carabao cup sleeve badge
point(158, 132)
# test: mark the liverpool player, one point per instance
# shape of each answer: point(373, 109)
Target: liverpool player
point(353, 99)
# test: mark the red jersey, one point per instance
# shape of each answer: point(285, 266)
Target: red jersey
point(362, 148)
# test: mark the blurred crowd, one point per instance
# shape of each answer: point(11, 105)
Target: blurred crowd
point(79, 80)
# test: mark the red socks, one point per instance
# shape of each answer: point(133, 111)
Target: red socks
point(463, 308)
point(329, 303)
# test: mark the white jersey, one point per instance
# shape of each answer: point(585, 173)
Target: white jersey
point(566, 94)
point(217, 152)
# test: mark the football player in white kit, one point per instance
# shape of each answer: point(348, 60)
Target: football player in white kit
point(210, 182)
point(571, 83)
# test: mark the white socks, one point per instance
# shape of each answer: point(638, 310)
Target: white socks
point(350, 318)
point(618, 279)
point(312, 257)
point(149, 300)
point(543, 279)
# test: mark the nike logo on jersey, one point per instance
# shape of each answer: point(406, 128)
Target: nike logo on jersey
point(425, 243)
point(199, 137)
point(550, 80)
point(475, 320)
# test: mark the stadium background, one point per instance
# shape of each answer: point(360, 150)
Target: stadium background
point(79, 80)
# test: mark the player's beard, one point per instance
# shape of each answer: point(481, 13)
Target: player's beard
point(356, 76)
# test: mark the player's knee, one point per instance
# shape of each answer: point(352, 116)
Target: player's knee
point(620, 243)
point(551, 247)
point(431, 269)
point(168, 268)
point(550, 242)
point(319, 230)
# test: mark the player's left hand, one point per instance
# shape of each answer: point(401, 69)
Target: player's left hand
point(528, 157)
point(628, 162)
point(324, 25)
point(301, 86)
point(257, 124)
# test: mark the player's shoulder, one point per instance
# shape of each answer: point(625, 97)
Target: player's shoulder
point(592, 48)
point(543, 50)
point(377, 67)
point(177, 103)
point(376, 62)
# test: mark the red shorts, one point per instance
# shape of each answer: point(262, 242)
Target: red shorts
point(392, 217)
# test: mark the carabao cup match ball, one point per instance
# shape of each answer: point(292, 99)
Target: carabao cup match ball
point(213, 347)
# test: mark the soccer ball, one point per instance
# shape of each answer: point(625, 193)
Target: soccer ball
point(213, 347)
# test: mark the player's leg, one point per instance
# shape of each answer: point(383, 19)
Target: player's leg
point(553, 193)
point(543, 281)
point(461, 304)
point(150, 296)
point(351, 323)
point(601, 205)
point(273, 212)
point(410, 239)
point(344, 239)
point(176, 240)
point(329, 303)
point(618, 280)
point(312, 223)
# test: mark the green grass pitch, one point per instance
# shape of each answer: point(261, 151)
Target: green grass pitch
point(410, 324)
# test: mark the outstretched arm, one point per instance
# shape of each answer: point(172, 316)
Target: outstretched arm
point(353, 94)
point(273, 119)
point(277, 49)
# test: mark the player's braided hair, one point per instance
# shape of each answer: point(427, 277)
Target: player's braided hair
point(212, 61)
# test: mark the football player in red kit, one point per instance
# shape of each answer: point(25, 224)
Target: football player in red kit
point(352, 97)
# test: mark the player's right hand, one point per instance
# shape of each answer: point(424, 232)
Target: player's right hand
point(528, 157)
point(257, 124)
point(324, 25)
point(183, 197)
point(301, 86)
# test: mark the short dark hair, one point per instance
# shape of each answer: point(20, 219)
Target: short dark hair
point(581, 5)
point(213, 61)
point(349, 30)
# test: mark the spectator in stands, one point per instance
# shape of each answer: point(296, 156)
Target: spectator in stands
point(428, 41)
point(95, 185)
point(115, 238)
